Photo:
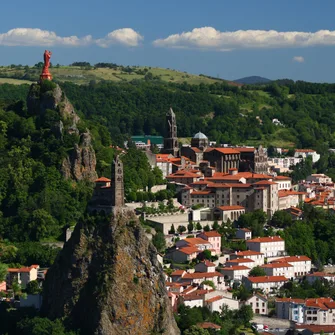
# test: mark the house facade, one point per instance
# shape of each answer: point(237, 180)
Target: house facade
point(258, 303)
point(270, 246)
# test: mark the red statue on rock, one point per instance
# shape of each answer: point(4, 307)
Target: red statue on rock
point(46, 75)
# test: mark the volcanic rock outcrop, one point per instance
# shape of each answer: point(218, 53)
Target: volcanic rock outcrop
point(107, 281)
point(81, 161)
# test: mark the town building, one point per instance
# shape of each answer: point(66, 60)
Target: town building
point(289, 198)
point(243, 233)
point(290, 309)
point(252, 159)
point(258, 303)
point(214, 238)
point(312, 277)
point(271, 246)
point(269, 284)
point(301, 264)
point(234, 272)
point(21, 275)
point(255, 256)
point(319, 178)
point(279, 269)
point(304, 153)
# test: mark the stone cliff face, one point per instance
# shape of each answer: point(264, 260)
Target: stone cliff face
point(107, 281)
point(81, 162)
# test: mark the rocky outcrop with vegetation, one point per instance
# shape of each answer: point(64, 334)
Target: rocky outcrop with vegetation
point(107, 280)
point(47, 97)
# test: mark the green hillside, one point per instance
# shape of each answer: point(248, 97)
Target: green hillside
point(85, 74)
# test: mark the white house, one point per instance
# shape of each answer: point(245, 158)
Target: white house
point(269, 246)
point(255, 256)
point(215, 304)
point(241, 261)
point(243, 233)
point(258, 303)
point(236, 272)
point(319, 178)
point(284, 183)
point(183, 255)
point(304, 153)
point(199, 243)
point(22, 275)
point(301, 264)
point(268, 284)
point(199, 277)
point(279, 269)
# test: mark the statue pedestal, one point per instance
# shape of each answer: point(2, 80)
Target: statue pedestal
point(46, 76)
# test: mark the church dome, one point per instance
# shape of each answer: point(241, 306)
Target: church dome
point(200, 136)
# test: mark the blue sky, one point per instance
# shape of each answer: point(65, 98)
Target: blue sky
point(236, 42)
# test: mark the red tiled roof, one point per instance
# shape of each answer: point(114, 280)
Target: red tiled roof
point(227, 151)
point(265, 239)
point(297, 301)
point(286, 193)
point(201, 193)
point(195, 241)
point(18, 270)
point(231, 208)
point(241, 260)
point(235, 268)
point(304, 150)
point(290, 259)
point(198, 275)
point(102, 179)
point(245, 229)
point(177, 273)
point(267, 279)
point(282, 178)
point(321, 274)
point(212, 233)
point(188, 250)
point(216, 298)
point(277, 265)
point(317, 329)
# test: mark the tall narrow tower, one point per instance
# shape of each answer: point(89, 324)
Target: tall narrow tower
point(171, 142)
point(117, 183)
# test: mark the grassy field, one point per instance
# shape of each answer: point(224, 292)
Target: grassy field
point(81, 75)
point(14, 81)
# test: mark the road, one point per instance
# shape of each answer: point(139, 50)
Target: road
point(276, 326)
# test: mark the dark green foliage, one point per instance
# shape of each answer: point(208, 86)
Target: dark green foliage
point(254, 221)
point(33, 287)
point(257, 271)
point(158, 241)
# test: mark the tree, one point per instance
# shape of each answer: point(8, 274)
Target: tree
point(281, 219)
point(33, 287)
point(159, 242)
point(3, 272)
point(207, 254)
point(257, 271)
point(215, 226)
point(208, 283)
point(198, 226)
point(245, 314)
point(181, 229)
point(190, 227)
point(207, 228)
point(196, 330)
point(172, 229)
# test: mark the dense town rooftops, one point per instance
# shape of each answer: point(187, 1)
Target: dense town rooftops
point(265, 239)
point(267, 279)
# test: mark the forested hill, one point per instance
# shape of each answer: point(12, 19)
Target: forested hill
point(226, 114)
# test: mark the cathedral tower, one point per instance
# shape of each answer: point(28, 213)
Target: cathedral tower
point(171, 142)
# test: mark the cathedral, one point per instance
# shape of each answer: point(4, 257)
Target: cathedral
point(171, 145)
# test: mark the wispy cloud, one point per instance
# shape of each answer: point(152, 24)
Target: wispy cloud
point(298, 59)
point(212, 39)
point(38, 37)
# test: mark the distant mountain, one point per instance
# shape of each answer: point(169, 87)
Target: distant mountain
point(253, 80)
